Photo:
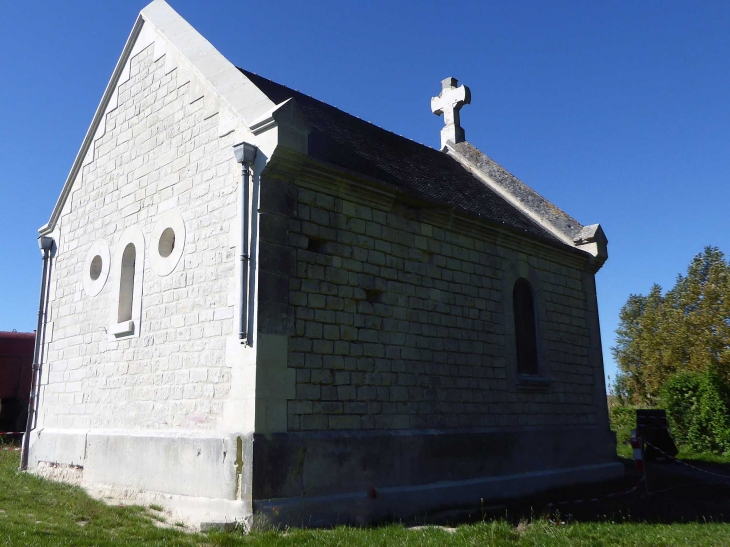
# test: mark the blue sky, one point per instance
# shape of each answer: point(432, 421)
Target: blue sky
point(616, 111)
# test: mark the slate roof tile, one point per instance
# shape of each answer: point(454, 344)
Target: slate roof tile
point(347, 141)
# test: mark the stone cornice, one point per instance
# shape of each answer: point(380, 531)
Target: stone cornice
point(330, 179)
point(285, 164)
point(505, 237)
point(306, 172)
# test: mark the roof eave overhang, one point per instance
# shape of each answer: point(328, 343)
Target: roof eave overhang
point(314, 174)
point(593, 245)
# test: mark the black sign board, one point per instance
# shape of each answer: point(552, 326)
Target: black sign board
point(652, 427)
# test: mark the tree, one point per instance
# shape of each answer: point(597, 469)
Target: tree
point(698, 407)
point(629, 382)
point(685, 330)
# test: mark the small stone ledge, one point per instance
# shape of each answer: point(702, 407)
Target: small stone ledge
point(125, 328)
point(533, 383)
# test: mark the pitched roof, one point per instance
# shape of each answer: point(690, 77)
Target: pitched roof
point(349, 142)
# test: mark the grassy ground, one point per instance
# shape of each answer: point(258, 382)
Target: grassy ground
point(35, 512)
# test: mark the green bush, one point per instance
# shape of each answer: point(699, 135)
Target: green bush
point(698, 408)
point(623, 420)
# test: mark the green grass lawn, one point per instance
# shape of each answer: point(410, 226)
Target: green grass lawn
point(36, 512)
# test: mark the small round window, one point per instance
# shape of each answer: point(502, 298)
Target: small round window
point(95, 268)
point(167, 242)
point(168, 237)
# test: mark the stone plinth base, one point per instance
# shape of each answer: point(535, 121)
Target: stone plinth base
point(316, 479)
point(321, 478)
point(193, 475)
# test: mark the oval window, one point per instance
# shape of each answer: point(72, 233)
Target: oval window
point(167, 242)
point(95, 268)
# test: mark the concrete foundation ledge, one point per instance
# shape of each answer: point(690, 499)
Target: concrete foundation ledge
point(378, 504)
point(57, 446)
point(195, 473)
point(196, 512)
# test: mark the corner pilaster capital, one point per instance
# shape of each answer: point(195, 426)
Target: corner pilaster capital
point(593, 240)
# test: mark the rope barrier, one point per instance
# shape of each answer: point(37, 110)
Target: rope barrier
point(10, 448)
point(675, 487)
point(601, 498)
point(726, 477)
point(12, 432)
point(639, 459)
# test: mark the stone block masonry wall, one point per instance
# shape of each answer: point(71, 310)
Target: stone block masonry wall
point(159, 151)
point(400, 325)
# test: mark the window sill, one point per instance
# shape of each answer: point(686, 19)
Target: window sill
point(125, 328)
point(533, 383)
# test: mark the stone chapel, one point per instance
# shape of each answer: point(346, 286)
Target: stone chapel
point(255, 303)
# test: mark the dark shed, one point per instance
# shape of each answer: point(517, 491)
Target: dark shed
point(16, 359)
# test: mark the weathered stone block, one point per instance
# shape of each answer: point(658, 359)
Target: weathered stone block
point(344, 422)
point(274, 228)
point(277, 259)
point(277, 196)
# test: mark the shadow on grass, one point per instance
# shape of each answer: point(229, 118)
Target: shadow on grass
point(675, 496)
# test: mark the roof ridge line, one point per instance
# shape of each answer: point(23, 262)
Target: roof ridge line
point(246, 72)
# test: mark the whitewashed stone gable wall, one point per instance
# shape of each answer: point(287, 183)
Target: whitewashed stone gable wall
point(160, 150)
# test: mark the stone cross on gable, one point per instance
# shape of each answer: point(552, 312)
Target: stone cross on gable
point(448, 103)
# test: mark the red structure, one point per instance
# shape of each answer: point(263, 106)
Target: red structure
point(16, 360)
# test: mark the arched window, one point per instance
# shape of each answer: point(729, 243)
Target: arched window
point(125, 314)
point(525, 327)
point(126, 284)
